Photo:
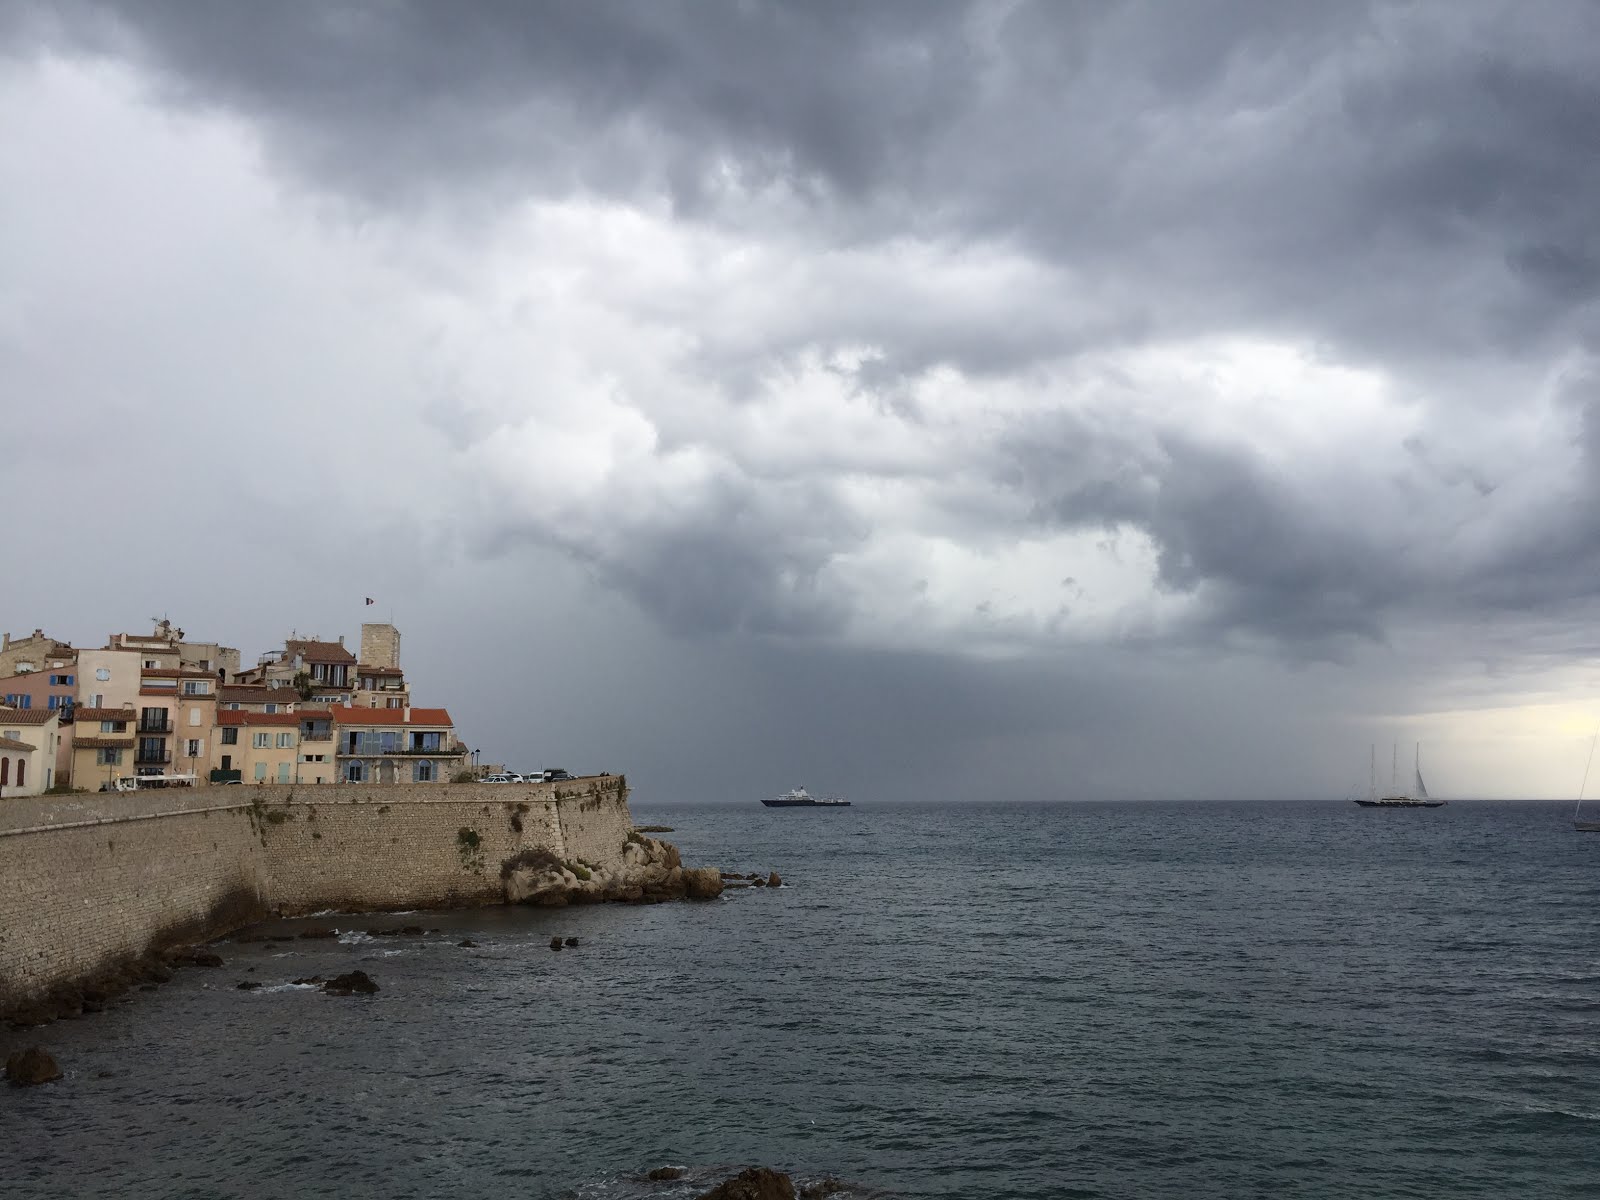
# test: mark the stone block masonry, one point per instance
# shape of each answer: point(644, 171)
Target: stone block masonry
point(84, 889)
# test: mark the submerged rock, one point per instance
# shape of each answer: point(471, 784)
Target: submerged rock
point(319, 931)
point(774, 880)
point(661, 1173)
point(555, 943)
point(753, 1183)
point(249, 985)
point(355, 983)
point(572, 941)
point(468, 943)
point(33, 1065)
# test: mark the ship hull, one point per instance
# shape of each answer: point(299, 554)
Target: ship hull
point(1400, 803)
point(805, 804)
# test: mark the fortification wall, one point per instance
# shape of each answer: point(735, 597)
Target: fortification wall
point(98, 880)
point(75, 899)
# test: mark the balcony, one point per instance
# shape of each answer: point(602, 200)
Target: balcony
point(148, 757)
point(307, 735)
point(154, 725)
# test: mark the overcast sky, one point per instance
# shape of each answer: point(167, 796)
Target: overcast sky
point(914, 400)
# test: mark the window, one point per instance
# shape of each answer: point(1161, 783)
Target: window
point(422, 772)
point(352, 772)
point(262, 741)
point(152, 664)
point(230, 737)
point(61, 681)
point(102, 674)
point(192, 748)
point(5, 771)
point(272, 708)
point(197, 687)
point(108, 756)
point(231, 707)
point(113, 727)
point(22, 772)
point(261, 772)
point(285, 740)
point(194, 716)
point(283, 772)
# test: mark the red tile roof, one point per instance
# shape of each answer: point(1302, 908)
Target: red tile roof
point(85, 713)
point(323, 652)
point(12, 744)
point(27, 716)
point(102, 743)
point(256, 694)
point(176, 673)
point(243, 716)
point(436, 717)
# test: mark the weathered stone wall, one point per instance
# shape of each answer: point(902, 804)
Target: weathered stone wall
point(419, 846)
point(101, 878)
point(77, 898)
point(594, 827)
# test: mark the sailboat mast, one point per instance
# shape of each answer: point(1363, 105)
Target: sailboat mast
point(1394, 767)
point(1373, 784)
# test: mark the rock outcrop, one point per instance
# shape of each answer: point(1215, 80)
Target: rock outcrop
point(356, 983)
point(33, 1065)
point(651, 871)
point(753, 1183)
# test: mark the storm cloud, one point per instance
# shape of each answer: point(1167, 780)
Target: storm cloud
point(987, 335)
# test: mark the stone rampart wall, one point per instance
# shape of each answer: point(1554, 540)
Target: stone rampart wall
point(77, 898)
point(93, 880)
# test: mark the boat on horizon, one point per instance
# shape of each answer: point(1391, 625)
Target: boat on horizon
point(800, 798)
point(1578, 823)
point(1417, 798)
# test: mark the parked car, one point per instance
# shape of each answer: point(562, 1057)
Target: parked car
point(504, 777)
point(555, 773)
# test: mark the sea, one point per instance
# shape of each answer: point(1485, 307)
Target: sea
point(1192, 1000)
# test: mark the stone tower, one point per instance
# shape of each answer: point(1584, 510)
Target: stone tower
point(380, 646)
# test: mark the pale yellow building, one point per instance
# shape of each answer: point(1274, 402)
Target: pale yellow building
point(30, 740)
point(103, 741)
point(262, 747)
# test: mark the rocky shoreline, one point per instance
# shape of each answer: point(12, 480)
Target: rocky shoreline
point(651, 872)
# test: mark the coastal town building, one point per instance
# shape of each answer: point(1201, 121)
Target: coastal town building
point(109, 678)
point(36, 652)
point(159, 705)
point(256, 697)
point(101, 745)
point(30, 747)
point(53, 687)
point(261, 747)
point(321, 672)
point(379, 681)
point(397, 745)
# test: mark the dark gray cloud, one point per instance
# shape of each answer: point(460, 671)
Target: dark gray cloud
point(858, 328)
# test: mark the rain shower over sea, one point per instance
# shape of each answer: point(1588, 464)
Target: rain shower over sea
point(1072, 1000)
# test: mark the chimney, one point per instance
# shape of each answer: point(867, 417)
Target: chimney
point(341, 639)
point(406, 719)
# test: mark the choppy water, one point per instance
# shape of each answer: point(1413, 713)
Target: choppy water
point(1187, 1000)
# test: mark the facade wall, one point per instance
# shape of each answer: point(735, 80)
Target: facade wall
point(85, 884)
point(50, 688)
point(33, 652)
point(120, 686)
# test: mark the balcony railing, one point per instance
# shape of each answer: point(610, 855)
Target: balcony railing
point(147, 758)
point(361, 751)
point(308, 735)
point(154, 725)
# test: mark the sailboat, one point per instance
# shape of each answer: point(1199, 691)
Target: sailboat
point(1578, 822)
point(1418, 798)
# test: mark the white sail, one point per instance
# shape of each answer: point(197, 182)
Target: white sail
point(1422, 788)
